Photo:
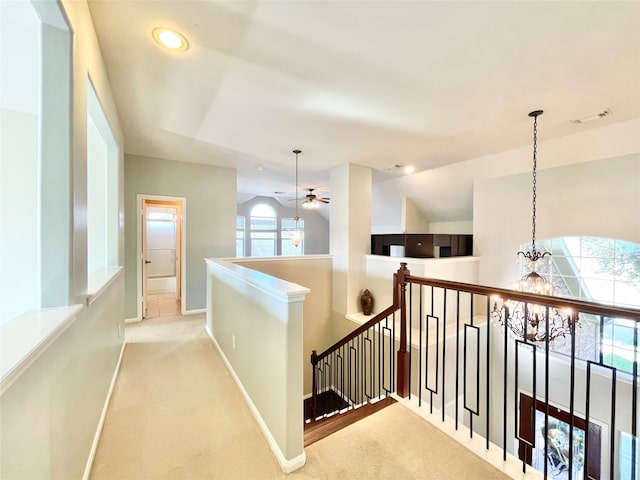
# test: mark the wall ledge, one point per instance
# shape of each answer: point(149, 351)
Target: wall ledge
point(99, 281)
point(279, 258)
point(26, 337)
point(276, 287)
point(440, 260)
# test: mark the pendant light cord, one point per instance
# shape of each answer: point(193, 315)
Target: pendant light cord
point(535, 151)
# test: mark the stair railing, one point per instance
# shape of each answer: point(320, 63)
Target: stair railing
point(452, 352)
point(366, 365)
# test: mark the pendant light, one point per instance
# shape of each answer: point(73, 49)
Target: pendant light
point(528, 321)
point(296, 234)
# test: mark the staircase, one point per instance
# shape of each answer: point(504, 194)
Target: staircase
point(355, 377)
point(338, 419)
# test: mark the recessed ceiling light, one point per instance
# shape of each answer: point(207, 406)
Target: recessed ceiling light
point(170, 39)
point(409, 169)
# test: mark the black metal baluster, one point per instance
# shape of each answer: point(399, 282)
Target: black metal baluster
point(444, 349)
point(420, 350)
point(465, 368)
point(571, 393)
point(634, 402)
point(504, 388)
point(410, 331)
point(546, 390)
point(488, 370)
point(457, 354)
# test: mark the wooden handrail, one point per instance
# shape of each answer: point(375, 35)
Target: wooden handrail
point(558, 302)
point(316, 357)
point(362, 328)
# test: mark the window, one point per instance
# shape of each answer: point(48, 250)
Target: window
point(287, 248)
point(240, 225)
point(102, 193)
point(34, 158)
point(264, 231)
point(602, 270)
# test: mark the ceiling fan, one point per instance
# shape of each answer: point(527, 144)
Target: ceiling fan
point(313, 201)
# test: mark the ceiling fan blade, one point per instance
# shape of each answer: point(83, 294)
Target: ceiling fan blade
point(323, 200)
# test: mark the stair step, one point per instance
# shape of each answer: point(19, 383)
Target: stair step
point(314, 431)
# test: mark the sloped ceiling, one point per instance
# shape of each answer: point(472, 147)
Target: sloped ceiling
point(376, 83)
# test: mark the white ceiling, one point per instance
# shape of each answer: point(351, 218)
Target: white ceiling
point(377, 83)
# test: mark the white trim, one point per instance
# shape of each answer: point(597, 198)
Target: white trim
point(140, 198)
point(99, 281)
point(18, 356)
point(103, 416)
point(512, 467)
point(132, 320)
point(287, 466)
point(280, 289)
point(194, 311)
point(278, 258)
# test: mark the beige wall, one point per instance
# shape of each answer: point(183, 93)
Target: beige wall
point(315, 274)
point(210, 218)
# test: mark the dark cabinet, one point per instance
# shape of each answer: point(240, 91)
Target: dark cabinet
point(423, 245)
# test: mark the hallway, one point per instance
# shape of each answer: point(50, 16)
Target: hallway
point(176, 413)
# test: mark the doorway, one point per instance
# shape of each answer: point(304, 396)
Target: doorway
point(161, 253)
point(557, 456)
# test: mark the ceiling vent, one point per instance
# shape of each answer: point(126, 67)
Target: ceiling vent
point(592, 116)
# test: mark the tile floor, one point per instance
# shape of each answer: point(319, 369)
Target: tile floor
point(161, 305)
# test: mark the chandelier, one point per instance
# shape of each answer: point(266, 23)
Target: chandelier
point(534, 323)
point(295, 235)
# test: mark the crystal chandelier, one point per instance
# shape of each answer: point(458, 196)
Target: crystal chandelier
point(296, 234)
point(529, 321)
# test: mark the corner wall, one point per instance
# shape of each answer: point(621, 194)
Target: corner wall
point(315, 274)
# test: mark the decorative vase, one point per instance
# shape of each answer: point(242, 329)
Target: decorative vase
point(366, 300)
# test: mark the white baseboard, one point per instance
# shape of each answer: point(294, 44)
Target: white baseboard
point(287, 466)
point(194, 311)
point(132, 320)
point(96, 438)
point(512, 467)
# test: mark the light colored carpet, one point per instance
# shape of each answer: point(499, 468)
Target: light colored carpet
point(177, 414)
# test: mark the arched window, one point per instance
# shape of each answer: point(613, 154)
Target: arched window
point(264, 231)
point(602, 270)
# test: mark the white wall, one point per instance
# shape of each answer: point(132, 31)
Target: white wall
point(380, 270)
point(387, 215)
point(599, 198)
point(350, 235)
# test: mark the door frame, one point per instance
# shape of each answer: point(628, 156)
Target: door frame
point(140, 202)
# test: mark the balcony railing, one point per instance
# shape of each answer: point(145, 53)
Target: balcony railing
point(437, 346)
